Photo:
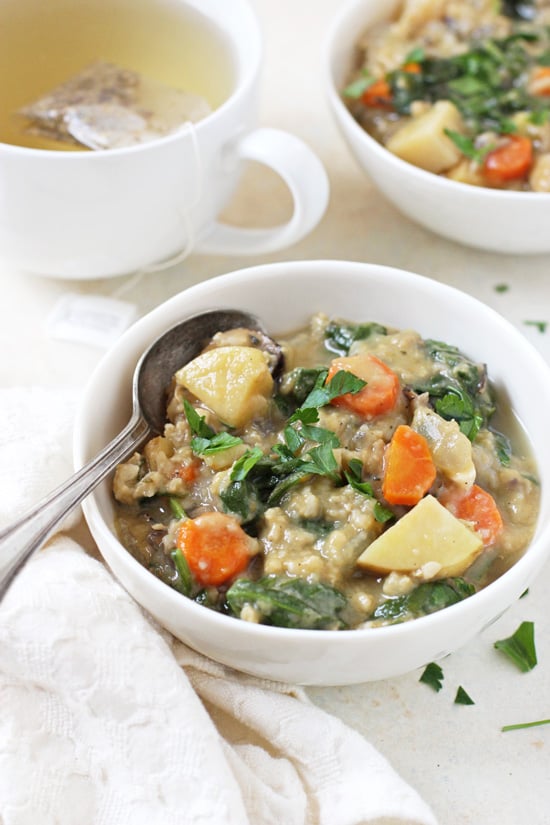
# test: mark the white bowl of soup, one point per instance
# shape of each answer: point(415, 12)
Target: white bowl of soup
point(446, 107)
point(351, 512)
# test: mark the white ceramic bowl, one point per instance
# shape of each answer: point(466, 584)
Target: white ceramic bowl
point(491, 219)
point(285, 295)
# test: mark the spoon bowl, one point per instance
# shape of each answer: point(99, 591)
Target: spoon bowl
point(154, 370)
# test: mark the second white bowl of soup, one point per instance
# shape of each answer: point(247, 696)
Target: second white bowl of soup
point(354, 510)
point(417, 90)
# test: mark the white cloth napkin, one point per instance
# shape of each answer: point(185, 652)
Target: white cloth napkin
point(107, 720)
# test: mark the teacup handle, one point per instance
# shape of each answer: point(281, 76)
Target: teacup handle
point(305, 176)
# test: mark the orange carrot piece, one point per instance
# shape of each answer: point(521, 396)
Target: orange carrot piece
point(541, 81)
point(188, 471)
point(478, 507)
point(510, 161)
point(409, 470)
point(215, 547)
point(412, 68)
point(380, 394)
point(378, 95)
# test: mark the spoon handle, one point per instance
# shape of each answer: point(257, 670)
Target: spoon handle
point(28, 533)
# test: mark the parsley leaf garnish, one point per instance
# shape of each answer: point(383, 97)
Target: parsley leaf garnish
point(216, 444)
point(540, 325)
point(467, 146)
point(358, 87)
point(520, 647)
point(433, 676)
point(324, 392)
point(207, 441)
point(462, 698)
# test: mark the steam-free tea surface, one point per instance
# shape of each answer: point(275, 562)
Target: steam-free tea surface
point(46, 44)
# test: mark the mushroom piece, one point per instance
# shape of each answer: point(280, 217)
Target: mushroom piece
point(243, 337)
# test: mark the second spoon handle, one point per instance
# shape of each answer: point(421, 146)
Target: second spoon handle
point(28, 533)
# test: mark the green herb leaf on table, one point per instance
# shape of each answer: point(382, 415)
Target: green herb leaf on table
point(522, 725)
point(433, 676)
point(520, 647)
point(540, 325)
point(462, 698)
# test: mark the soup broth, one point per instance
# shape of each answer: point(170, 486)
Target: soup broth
point(44, 44)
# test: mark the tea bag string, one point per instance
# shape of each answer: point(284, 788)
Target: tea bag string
point(131, 282)
point(190, 239)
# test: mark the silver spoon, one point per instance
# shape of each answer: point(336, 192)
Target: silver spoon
point(152, 375)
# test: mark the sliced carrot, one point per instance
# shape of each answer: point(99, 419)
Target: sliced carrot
point(409, 470)
point(188, 471)
point(478, 507)
point(215, 547)
point(510, 161)
point(378, 95)
point(380, 394)
point(412, 68)
point(540, 81)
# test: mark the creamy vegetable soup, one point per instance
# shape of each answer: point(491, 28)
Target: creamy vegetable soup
point(461, 88)
point(350, 475)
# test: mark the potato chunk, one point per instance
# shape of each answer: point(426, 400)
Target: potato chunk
point(234, 382)
point(423, 142)
point(427, 533)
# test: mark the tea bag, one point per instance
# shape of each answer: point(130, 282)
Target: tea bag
point(107, 107)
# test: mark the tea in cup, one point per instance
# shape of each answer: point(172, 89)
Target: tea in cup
point(124, 128)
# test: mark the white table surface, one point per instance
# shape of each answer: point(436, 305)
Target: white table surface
point(455, 756)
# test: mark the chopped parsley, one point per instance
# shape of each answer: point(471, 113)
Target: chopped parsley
point(462, 698)
point(521, 725)
point(520, 647)
point(433, 676)
point(540, 325)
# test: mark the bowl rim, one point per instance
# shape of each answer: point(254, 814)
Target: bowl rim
point(332, 41)
point(514, 579)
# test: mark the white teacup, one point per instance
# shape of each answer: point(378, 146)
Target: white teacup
point(106, 213)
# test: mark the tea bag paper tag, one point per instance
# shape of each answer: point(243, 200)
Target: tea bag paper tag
point(90, 319)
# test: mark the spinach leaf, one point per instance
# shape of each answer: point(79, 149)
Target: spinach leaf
point(488, 83)
point(184, 581)
point(460, 390)
point(301, 382)
point(317, 526)
point(503, 448)
point(339, 336)
point(428, 597)
point(285, 602)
